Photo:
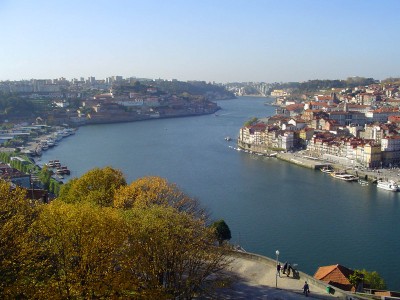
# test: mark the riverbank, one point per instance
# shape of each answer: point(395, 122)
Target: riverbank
point(134, 117)
point(365, 174)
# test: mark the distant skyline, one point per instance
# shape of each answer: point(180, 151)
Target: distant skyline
point(210, 40)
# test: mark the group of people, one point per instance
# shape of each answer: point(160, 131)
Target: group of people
point(287, 267)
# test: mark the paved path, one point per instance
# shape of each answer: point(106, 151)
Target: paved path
point(252, 279)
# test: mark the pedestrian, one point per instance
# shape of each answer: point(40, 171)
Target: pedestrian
point(284, 268)
point(288, 269)
point(306, 289)
point(278, 269)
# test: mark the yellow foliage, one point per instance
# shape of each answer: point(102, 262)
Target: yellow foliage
point(175, 250)
point(152, 190)
point(84, 248)
point(96, 186)
point(104, 239)
point(16, 216)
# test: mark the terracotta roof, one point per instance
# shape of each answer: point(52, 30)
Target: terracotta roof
point(315, 103)
point(292, 107)
point(324, 98)
point(335, 275)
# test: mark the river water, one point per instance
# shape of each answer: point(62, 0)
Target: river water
point(311, 218)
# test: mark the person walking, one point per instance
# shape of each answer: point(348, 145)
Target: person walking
point(306, 289)
point(288, 269)
point(278, 269)
point(284, 268)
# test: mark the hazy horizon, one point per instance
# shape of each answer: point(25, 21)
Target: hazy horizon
point(221, 41)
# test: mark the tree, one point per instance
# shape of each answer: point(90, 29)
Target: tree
point(16, 217)
point(356, 278)
point(81, 253)
point(222, 231)
point(174, 252)
point(81, 247)
point(97, 186)
point(45, 177)
point(153, 190)
point(373, 279)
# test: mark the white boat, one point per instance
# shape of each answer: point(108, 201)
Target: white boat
point(388, 185)
point(44, 145)
point(327, 170)
point(50, 142)
point(344, 176)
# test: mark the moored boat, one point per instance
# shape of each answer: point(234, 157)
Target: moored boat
point(327, 169)
point(389, 185)
point(344, 176)
point(363, 182)
point(65, 170)
point(44, 145)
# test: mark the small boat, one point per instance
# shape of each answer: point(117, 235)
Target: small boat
point(344, 176)
point(327, 169)
point(363, 182)
point(65, 170)
point(390, 185)
point(228, 138)
point(44, 145)
point(50, 142)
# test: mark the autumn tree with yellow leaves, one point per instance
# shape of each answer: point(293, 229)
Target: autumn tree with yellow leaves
point(105, 239)
point(16, 217)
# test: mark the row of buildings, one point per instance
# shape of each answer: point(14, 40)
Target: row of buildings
point(358, 129)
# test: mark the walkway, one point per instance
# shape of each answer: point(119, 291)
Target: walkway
point(254, 277)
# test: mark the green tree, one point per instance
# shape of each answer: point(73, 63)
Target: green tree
point(356, 278)
point(373, 279)
point(222, 231)
point(45, 177)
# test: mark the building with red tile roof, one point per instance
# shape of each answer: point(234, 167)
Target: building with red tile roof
point(336, 275)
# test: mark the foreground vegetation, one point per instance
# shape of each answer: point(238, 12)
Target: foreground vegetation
point(104, 238)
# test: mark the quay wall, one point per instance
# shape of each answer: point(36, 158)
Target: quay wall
point(263, 149)
point(312, 163)
point(301, 161)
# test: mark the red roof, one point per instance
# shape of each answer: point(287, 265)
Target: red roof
point(335, 275)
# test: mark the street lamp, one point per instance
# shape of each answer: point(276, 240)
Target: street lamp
point(276, 277)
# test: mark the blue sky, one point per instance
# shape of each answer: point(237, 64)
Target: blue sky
point(211, 40)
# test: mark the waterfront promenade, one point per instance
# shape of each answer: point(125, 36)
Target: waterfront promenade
point(253, 276)
point(371, 175)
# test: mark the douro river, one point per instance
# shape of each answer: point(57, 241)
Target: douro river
point(312, 219)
